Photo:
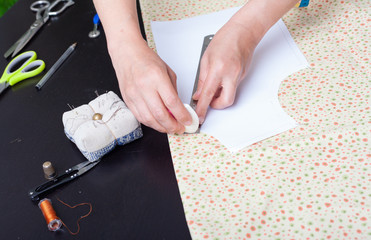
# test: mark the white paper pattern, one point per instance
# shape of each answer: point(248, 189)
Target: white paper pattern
point(256, 113)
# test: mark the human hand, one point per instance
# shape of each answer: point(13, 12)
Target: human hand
point(148, 87)
point(147, 84)
point(223, 66)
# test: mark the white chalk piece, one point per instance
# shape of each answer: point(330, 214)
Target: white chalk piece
point(96, 136)
point(195, 121)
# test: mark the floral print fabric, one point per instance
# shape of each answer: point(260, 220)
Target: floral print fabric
point(312, 182)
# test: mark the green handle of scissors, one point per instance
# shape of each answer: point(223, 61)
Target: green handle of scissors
point(32, 69)
point(13, 67)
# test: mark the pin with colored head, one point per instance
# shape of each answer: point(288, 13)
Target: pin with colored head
point(95, 32)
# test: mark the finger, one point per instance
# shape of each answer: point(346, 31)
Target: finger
point(173, 103)
point(162, 115)
point(211, 86)
point(225, 95)
point(172, 76)
point(144, 115)
point(138, 106)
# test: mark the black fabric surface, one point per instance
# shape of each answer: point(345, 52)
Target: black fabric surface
point(133, 190)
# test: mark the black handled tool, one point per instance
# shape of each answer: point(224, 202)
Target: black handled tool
point(69, 175)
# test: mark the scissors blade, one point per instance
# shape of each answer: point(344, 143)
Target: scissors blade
point(87, 167)
point(14, 46)
point(69, 175)
point(26, 37)
point(3, 86)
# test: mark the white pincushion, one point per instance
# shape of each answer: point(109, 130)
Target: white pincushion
point(95, 138)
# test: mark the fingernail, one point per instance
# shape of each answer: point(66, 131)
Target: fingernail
point(196, 94)
point(201, 119)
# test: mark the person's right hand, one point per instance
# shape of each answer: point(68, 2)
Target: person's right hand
point(148, 87)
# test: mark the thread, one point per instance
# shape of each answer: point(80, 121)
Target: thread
point(78, 220)
point(53, 222)
point(105, 123)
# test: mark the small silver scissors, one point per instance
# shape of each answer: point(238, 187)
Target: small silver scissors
point(43, 10)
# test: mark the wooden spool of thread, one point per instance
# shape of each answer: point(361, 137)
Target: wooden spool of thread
point(54, 223)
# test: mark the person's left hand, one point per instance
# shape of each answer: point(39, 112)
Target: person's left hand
point(223, 66)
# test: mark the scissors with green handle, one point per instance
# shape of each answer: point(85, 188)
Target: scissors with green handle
point(22, 67)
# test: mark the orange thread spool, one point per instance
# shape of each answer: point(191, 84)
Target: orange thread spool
point(54, 223)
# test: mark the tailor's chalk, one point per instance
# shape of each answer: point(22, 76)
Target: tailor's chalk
point(195, 121)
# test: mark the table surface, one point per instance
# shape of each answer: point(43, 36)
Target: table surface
point(133, 190)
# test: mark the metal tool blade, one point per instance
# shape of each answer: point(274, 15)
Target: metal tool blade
point(87, 168)
point(193, 103)
point(34, 28)
point(3, 86)
point(69, 175)
point(14, 46)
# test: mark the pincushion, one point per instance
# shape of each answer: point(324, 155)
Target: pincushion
point(96, 128)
